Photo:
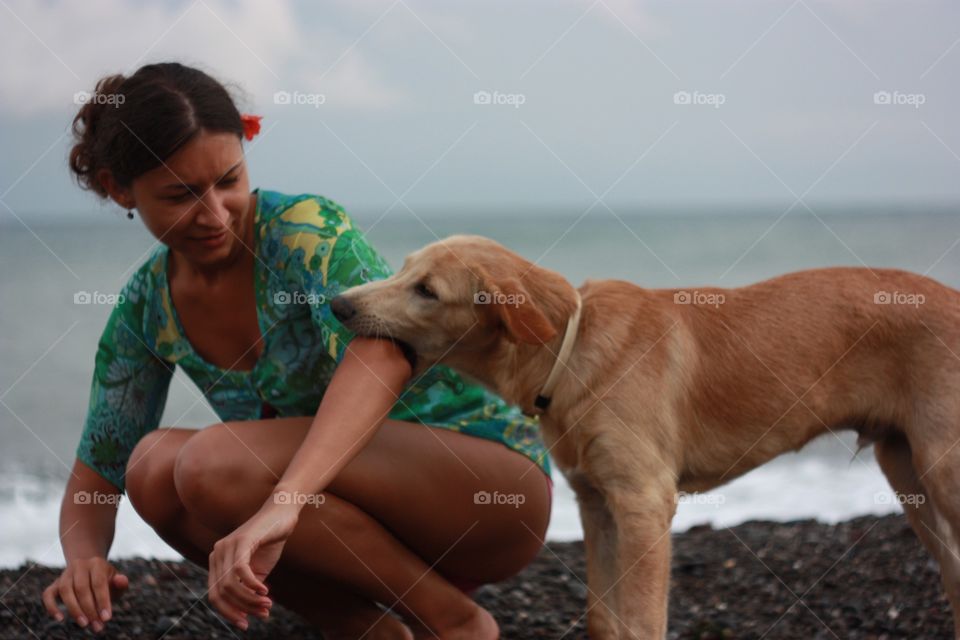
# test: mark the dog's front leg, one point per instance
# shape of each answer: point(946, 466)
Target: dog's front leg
point(600, 542)
point(642, 516)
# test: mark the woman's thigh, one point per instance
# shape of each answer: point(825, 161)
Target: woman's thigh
point(464, 501)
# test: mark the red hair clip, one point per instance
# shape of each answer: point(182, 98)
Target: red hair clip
point(251, 125)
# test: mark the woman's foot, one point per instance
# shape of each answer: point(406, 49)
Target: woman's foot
point(480, 625)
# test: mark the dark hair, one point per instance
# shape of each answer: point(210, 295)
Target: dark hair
point(130, 125)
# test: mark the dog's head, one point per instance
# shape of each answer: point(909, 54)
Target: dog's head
point(454, 300)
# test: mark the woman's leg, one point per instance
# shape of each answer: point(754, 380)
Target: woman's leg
point(405, 503)
point(334, 609)
point(411, 489)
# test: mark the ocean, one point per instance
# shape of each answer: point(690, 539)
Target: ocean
point(48, 341)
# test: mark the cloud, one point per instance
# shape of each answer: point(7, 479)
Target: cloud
point(635, 17)
point(260, 46)
point(353, 83)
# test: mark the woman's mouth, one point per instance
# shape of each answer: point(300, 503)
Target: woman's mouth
point(211, 241)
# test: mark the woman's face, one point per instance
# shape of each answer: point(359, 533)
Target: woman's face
point(198, 202)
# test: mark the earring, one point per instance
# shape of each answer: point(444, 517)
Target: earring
point(130, 214)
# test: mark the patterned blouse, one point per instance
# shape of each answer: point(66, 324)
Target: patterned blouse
point(308, 250)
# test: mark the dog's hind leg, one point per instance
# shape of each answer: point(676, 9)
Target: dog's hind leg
point(936, 532)
point(600, 540)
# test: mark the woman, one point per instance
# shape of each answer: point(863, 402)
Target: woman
point(389, 490)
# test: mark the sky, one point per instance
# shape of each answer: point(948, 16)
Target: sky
point(533, 108)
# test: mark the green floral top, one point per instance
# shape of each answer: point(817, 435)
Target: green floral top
point(308, 250)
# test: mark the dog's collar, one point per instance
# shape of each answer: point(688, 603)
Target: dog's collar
point(566, 347)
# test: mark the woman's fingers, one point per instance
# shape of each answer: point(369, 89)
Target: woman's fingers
point(84, 592)
point(69, 599)
point(244, 587)
point(238, 604)
point(118, 584)
point(230, 610)
point(242, 594)
point(243, 583)
point(228, 584)
point(50, 601)
point(246, 575)
point(100, 581)
point(215, 584)
point(84, 588)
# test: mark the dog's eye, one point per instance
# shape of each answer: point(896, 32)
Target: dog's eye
point(424, 291)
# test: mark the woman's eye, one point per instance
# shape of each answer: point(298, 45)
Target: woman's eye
point(424, 291)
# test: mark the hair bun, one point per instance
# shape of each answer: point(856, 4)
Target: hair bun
point(83, 155)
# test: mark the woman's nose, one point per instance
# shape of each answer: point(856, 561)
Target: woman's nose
point(213, 212)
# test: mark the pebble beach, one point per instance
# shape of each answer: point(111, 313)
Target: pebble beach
point(868, 578)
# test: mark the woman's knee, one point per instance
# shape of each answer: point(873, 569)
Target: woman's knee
point(149, 475)
point(215, 480)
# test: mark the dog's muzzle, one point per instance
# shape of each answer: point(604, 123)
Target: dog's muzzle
point(343, 310)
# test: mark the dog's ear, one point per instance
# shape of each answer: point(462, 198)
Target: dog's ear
point(516, 310)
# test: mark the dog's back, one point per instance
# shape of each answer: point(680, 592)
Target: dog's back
point(778, 361)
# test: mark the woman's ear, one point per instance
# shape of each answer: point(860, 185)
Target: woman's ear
point(122, 196)
point(518, 313)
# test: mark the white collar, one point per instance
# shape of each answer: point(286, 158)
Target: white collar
point(566, 347)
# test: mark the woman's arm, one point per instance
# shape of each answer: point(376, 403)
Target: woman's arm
point(87, 521)
point(127, 395)
point(364, 388)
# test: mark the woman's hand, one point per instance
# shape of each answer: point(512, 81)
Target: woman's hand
point(86, 587)
point(241, 561)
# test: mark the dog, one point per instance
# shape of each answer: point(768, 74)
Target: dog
point(653, 392)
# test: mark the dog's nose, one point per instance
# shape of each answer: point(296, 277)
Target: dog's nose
point(342, 309)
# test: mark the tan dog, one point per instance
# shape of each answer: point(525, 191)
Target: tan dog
point(668, 390)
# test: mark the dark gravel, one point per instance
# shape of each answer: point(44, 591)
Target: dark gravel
point(867, 578)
